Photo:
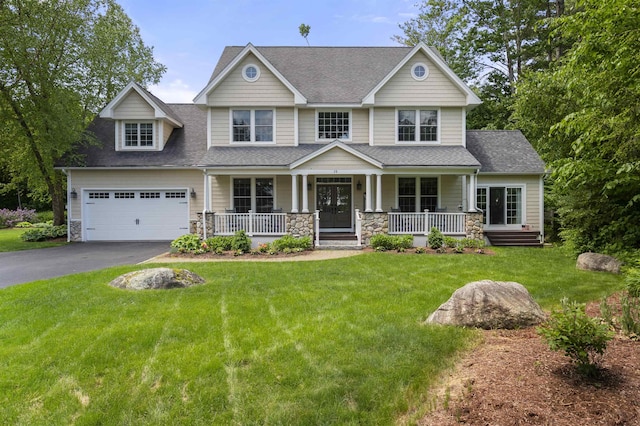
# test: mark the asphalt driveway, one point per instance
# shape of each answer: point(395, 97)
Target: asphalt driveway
point(19, 267)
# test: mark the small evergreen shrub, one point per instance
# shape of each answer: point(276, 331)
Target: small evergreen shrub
point(290, 242)
point(241, 242)
point(583, 339)
point(43, 234)
point(435, 238)
point(384, 242)
point(188, 243)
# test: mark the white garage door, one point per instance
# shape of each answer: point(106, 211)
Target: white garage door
point(135, 215)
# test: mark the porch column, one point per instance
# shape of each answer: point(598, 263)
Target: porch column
point(368, 194)
point(472, 193)
point(294, 193)
point(378, 193)
point(305, 195)
point(464, 192)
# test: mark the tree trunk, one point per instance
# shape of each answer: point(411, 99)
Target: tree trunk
point(58, 196)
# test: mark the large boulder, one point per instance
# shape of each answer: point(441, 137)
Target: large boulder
point(489, 304)
point(157, 278)
point(598, 262)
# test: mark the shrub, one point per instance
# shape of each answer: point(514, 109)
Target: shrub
point(188, 243)
point(630, 319)
point(583, 339)
point(221, 242)
point(421, 250)
point(435, 238)
point(46, 216)
point(450, 242)
point(383, 242)
point(240, 242)
point(471, 243)
point(23, 225)
point(42, 234)
point(8, 218)
point(290, 242)
point(632, 281)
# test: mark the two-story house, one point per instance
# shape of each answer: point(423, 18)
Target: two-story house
point(309, 141)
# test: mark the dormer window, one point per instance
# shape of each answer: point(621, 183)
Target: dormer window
point(138, 135)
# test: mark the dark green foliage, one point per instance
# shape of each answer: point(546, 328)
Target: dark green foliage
point(435, 238)
point(188, 243)
point(240, 242)
point(632, 281)
point(583, 339)
point(630, 319)
point(220, 242)
point(291, 243)
point(384, 242)
point(45, 233)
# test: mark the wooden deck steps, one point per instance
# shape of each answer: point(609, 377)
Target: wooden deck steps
point(514, 238)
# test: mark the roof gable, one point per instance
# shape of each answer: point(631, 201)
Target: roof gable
point(160, 109)
point(336, 145)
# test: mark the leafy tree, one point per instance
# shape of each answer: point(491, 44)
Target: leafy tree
point(60, 61)
point(304, 31)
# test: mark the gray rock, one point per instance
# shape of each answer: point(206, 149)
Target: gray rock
point(157, 278)
point(489, 305)
point(598, 262)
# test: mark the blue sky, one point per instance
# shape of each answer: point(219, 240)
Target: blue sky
point(188, 36)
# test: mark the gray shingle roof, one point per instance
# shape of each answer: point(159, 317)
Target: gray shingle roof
point(504, 151)
point(327, 74)
point(164, 107)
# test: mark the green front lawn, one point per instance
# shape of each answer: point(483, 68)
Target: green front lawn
point(325, 342)
point(10, 241)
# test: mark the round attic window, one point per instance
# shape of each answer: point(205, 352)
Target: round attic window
point(419, 71)
point(251, 72)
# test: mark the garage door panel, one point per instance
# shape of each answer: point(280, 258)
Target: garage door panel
point(136, 215)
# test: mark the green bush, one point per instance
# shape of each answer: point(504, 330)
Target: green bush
point(290, 242)
point(188, 243)
point(219, 243)
point(240, 242)
point(42, 234)
point(46, 216)
point(23, 225)
point(471, 243)
point(630, 318)
point(632, 281)
point(435, 238)
point(583, 339)
point(450, 242)
point(383, 242)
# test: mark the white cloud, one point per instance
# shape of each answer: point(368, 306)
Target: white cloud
point(372, 19)
point(176, 92)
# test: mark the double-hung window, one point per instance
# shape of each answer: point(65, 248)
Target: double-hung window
point(254, 194)
point(138, 135)
point(252, 125)
point(334, 125)
point(501, 205)
point(417, 192)
point(419, 125)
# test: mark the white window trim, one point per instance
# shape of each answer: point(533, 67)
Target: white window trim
point(317, 118)
point(246, 77)
point(253, 128)
point(523, 205)
point(253, 189)
point(418, 195)
point(413, 71)
point(417, 142)
point(154, 136)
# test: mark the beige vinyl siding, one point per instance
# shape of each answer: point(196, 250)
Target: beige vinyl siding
point(133, 107)
point(307, 125)
point(166, 133)
point(138, 179)
point(220, 130)
point(436, 90)
point(220, 193)
point(450, 192)
point(234, 90)
point(384, 126)
point(389, 200)
point(531, 193)
point(336, 159)
point(283, 193)
point(284, 126)
point(360, 126)
point(451, 126)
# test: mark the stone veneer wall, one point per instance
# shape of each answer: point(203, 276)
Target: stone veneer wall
point(372, 224)
point(75, 230)
point(474, 227)
point(196, 225)
point(300, 224)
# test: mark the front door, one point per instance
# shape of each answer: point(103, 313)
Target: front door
point(496, 206)
point(333, 200)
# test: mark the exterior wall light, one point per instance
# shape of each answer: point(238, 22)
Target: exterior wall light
point(359, 186)
point(74, 194)
point(193, 193)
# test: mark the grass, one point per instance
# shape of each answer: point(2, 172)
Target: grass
point(326, 342)
point(10, 241)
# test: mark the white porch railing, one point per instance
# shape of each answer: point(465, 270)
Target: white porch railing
point(251, 223)
point(421, 223)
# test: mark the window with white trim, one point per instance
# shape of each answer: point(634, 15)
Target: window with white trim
point(416, 192)
point(417, 125)
point(502, 205)
point(252, 125)
point(138, 135)
point(251, 73)
point(334, 125)
point(419, 71)
point(256, 194)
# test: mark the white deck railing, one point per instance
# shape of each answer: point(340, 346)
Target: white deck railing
point(251, 223)
point(421, 223)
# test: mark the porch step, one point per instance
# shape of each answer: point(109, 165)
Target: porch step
point(338, 236)
point(514, 238)
point(338, 241)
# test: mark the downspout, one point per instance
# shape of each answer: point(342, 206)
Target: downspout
point(205, 205)
point(68, 205)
